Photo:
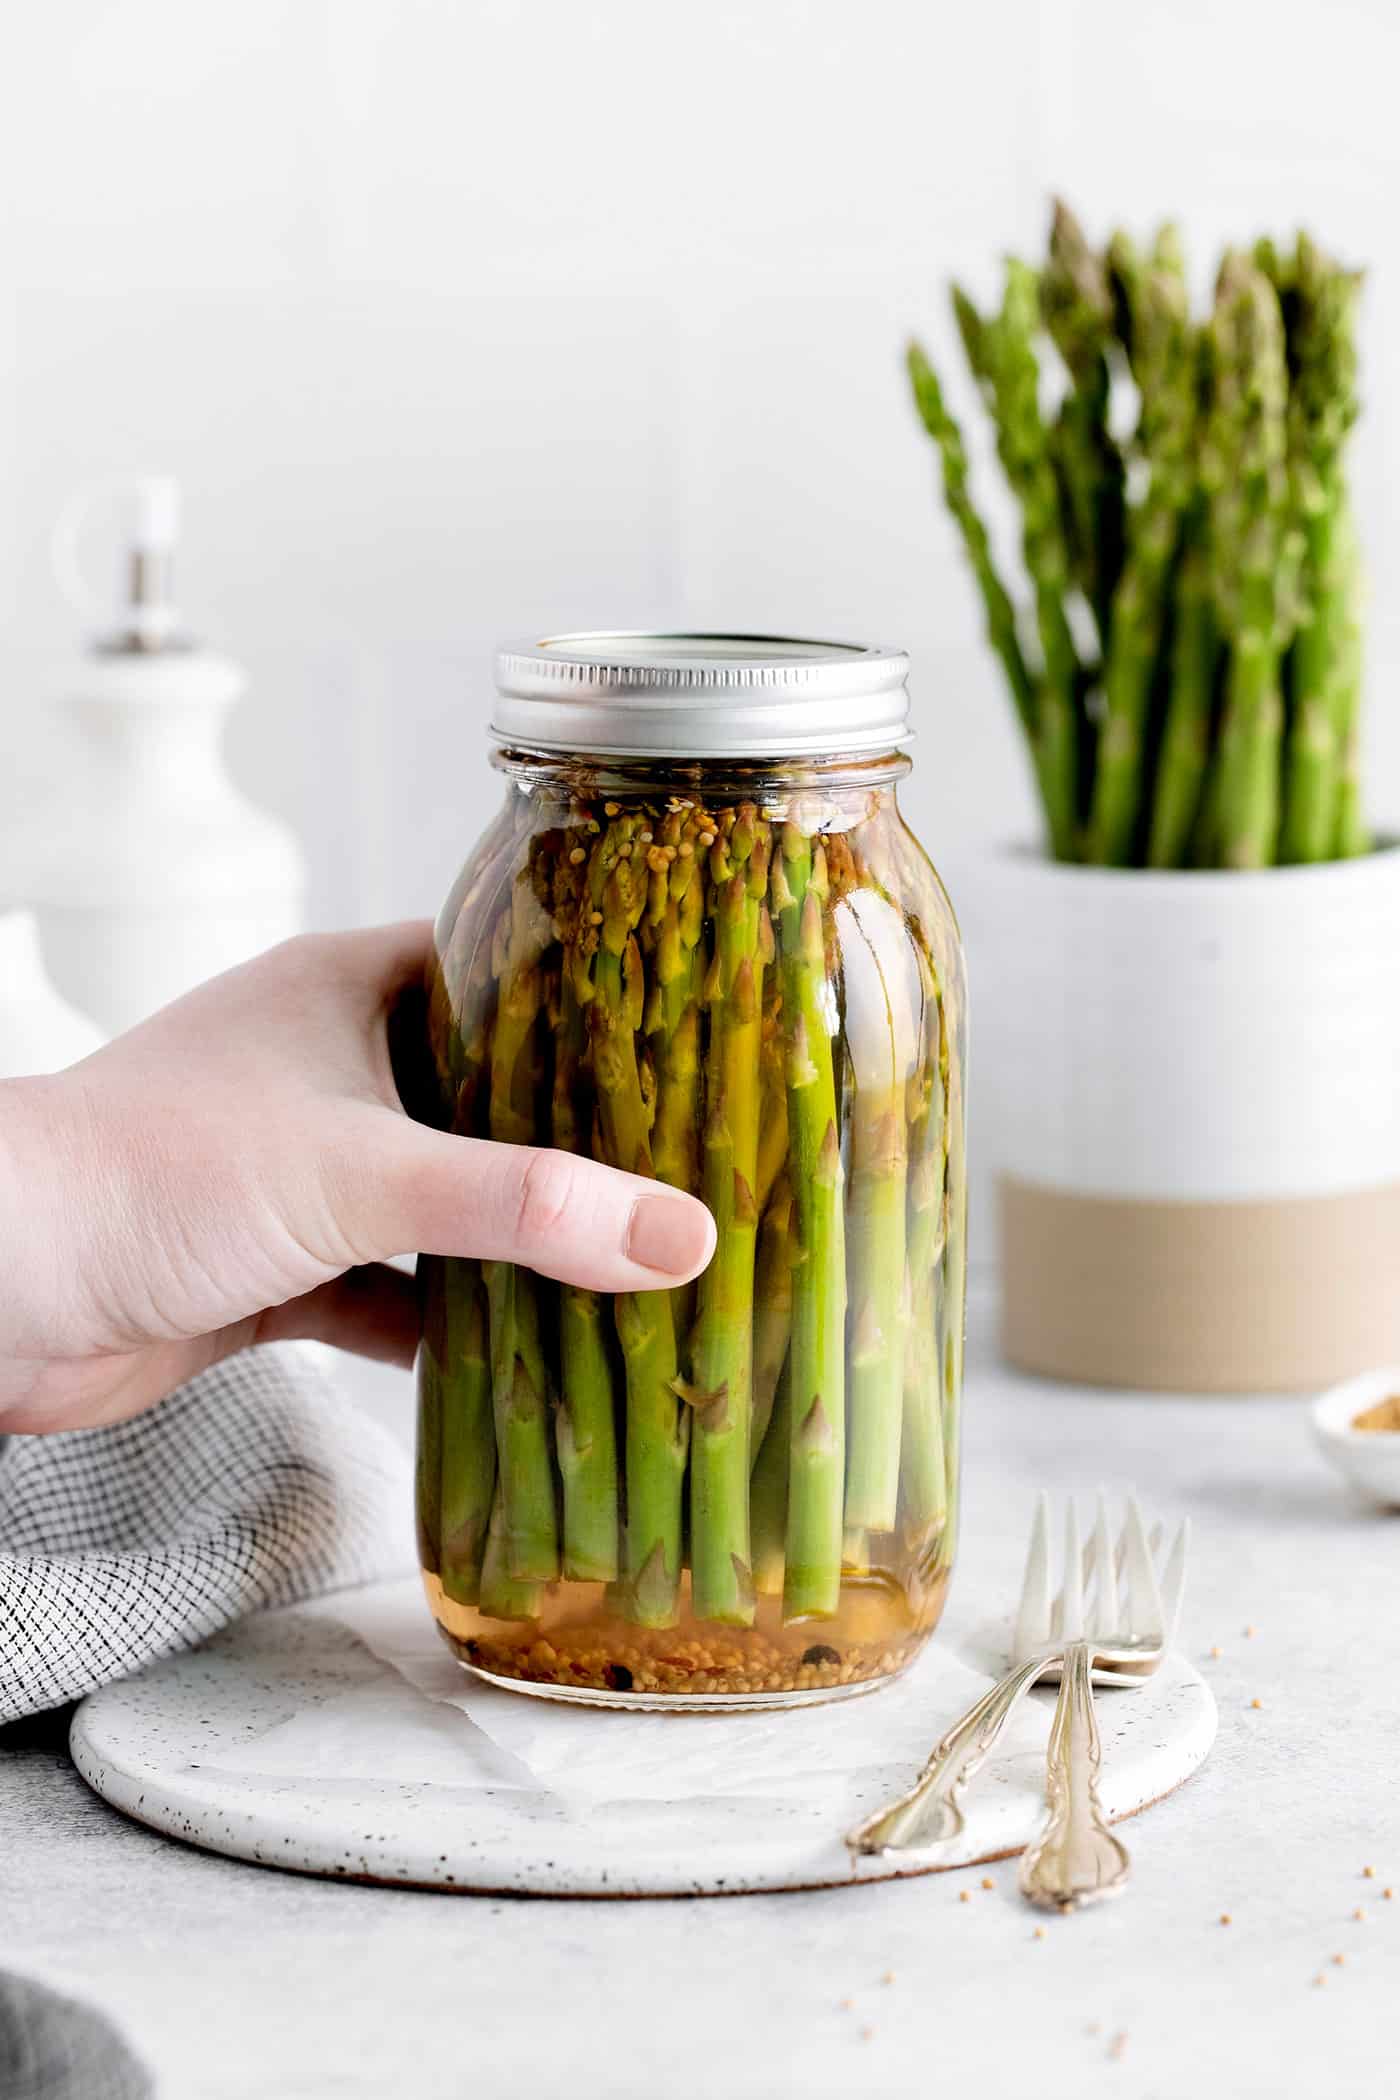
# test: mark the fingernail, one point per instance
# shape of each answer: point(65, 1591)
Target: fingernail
point(667, 1234)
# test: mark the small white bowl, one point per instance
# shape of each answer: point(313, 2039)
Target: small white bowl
point(1370, 1458)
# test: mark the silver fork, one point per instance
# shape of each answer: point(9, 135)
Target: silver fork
point(1124, 1647)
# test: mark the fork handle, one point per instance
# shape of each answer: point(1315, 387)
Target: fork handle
point(928, 1816)
point(1076, 1859)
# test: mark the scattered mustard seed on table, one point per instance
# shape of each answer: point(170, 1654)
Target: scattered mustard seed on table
point(987, 1882)
point(1359, 1915)
point(1389, 1895)
point(1257, 1704)
point(1225, 1918)
point(964, 1895)
point(1215, 1654)
point(1368, 1873)
point(1339, 1961)
point(888, 1976)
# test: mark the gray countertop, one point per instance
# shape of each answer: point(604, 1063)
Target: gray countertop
point(236, 1982)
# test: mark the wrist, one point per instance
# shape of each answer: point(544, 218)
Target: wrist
point(29, 1172)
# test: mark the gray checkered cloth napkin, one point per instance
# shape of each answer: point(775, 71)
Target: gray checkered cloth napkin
point(256, 1484)
point(54, 2048)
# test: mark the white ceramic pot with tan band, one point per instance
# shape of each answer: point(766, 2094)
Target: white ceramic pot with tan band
point(1188, 1088)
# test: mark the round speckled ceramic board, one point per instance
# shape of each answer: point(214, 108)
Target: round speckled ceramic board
point(340, 1739)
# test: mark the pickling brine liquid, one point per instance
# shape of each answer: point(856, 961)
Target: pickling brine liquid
point(744, 982)
point(583, 1645)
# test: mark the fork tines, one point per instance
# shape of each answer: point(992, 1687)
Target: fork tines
point(1147, 1612)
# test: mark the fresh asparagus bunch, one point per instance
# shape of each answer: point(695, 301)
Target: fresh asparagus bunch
point(740, 1000)
point(1188, 675)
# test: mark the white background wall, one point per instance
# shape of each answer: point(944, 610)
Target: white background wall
point(464, 320)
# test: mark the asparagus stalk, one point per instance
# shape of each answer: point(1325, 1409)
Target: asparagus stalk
point(812, 1570)
point(773, 1123)
point(503, 1595)
point(672, 933)
point(722, 1364)
point(944, 1009)
point(586, 1439)
point(954, 1292)
point(772, 1310)
point(427, 1461)
point(520, 1407)
point(585, 1431)
point(1165, 362)
point(456, 945)
point(943, 428)
point(1206, 732)
point(1352, 836)
point(768, 1492)
point(880, 1041)
point(875, 1223)
point(468, 1446)
point(1319, 305)
point(519, 1380)
point(1182, 765)
point(1250, 537)
point(461, 991)
point(1005, 352)
point(1077, 303)
point(923, 1475)
point(608, 961)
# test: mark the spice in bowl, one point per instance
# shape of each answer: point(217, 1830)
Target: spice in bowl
point(1385, 1415)
point(1357, 1427)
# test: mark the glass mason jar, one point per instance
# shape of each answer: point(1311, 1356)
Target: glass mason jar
point(699, 943)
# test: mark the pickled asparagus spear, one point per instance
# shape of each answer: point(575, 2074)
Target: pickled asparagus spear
point(772, 1095)
point(657, 1433)
point(881, 1002)
point(427, 1459)
point(585, 1429)
point(673, 950)
point(812, 1573)
point(923, 1480)
point(875, 1232)
point(468, 1446)
point(455, 1472)
point(503, 1595)
point(954, 1288)
point(722, 1354)
point(519, 1379)
point(772, 1322)
point(768, 1493)
point(520, 1405)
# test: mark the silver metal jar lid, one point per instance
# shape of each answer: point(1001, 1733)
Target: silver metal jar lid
point(700, 696)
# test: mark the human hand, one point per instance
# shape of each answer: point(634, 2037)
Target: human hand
point(240, 1169)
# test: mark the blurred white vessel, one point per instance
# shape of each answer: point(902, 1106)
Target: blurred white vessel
point(39, 1031)
point(151, 872)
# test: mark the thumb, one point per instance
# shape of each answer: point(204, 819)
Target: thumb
point(415, 1190)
